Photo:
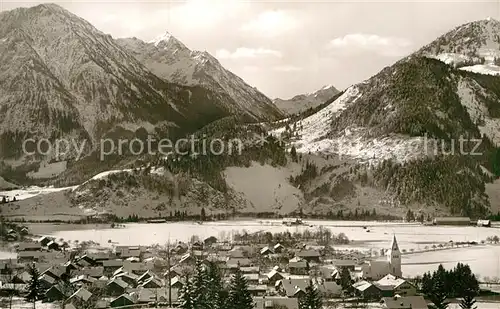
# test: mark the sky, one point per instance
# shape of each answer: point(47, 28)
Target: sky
point(285, 48)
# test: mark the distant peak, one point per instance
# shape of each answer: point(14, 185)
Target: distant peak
point(167, 39)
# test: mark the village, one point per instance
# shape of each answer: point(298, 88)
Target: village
point(277, 267)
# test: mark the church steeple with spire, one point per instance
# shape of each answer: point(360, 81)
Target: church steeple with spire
point(394, 258)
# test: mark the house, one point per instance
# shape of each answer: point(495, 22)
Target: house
point(252, 278)
point(366, 290)
point(329, 273)
point(396, 286)
point(309, 255)
point(298, 268)
point(292, 287)
point(53, 246)
point(95, 272)
point(29, 246)
point(112, 265)
point(451, 221)
point(408, 302)
point(55, 271)
point(180, 248)
point(122, 300)
point(187, 258)
point(197, 245)
point(349, 264)
point(329, 289)
point(274, 276)
point(269, 302)
point(146, 276)
point(82, 295)
point(128, 278)
point(116, 287)
point(484, 223)
point(46, 281)
point(176, 283)
point(250, 269)
point(266, 251)
point(257, 290)
point(45, 240)
point(82, 280)
point(54, 294)
point(152, 283)
point(278, 248)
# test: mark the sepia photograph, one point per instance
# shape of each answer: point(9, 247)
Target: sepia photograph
point(250, 154)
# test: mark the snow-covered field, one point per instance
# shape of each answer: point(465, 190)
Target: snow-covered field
point(25, 193)
point(484, 259)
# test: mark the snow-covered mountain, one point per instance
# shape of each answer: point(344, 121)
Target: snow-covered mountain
point(303, 102)
point(170, 59)
point(406, 122)
point(472, 47)
point(60, 77)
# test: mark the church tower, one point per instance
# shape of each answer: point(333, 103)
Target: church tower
point(394, 258)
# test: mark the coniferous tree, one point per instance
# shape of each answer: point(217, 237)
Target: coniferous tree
point(439, 292)
point(311, 299)
point(186, 296)
point(35, 290)
point(239, 296)
point(200, 287)
point(468, 301)
point(216, 294)
point(345, 280)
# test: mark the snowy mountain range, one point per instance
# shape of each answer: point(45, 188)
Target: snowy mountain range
point(171, 60)
point(303, 102)
point(61, 77)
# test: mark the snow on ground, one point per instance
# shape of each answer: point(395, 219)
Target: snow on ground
point(486, 69)
point(450, 58)
point(25, 193)
point(265, 186)
point(313, 137)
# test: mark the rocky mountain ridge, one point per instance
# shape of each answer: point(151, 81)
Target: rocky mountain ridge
point(170, 59)
point(60, 77)
point(303, 102)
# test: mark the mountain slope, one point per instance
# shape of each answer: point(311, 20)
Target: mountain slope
point(62, 78)
point(170, 59)
point(473, 47)
point(406, 125)
point(302, 102)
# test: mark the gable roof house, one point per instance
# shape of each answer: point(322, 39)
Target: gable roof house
point(392, 285)
point(298, 268)
point(292, 287)
point(82, 295)
point(29, 246)
point(122, 300)
point(408, 302)
point(310, 255)
point(116, 287)
point(366, 290)
point(269, 302)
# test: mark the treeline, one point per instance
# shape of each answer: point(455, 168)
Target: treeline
point(322, 235)
point(453, 181)
point(356, 215)
point(459, 282)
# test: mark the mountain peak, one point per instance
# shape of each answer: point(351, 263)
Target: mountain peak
point(167, 40)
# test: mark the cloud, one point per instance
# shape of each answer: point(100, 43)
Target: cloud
point(200, 14)
point(244, 52)
point(387, 46)
point(287, 68)
point(270, 24)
